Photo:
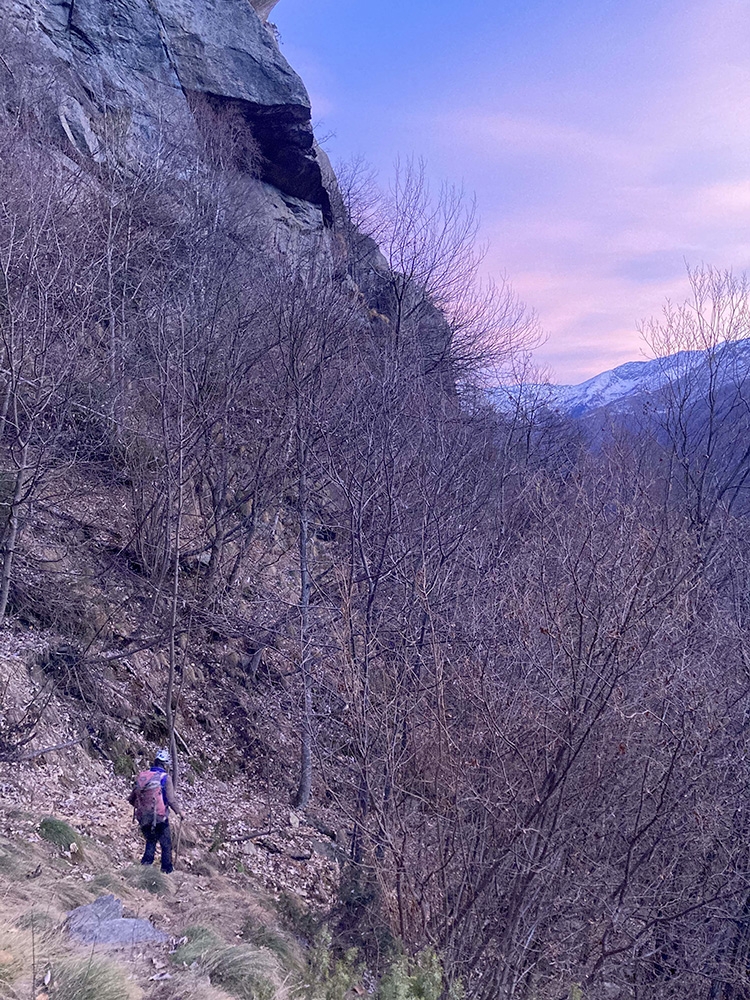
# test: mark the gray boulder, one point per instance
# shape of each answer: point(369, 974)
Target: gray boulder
point(102, 922)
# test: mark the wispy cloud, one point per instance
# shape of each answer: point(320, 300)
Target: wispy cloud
point(594, 220)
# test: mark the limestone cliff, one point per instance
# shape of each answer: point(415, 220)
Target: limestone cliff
point(100, 73)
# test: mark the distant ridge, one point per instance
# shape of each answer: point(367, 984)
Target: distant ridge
point(636, 382)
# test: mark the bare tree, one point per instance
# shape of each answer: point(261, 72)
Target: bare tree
point(704, 405)
point(310, 319)
point(421, 270)
point(46, 321)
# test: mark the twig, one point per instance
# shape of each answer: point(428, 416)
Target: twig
point(160, 711)
point(177, 845)
point(124, 654)
point(250, 836)
point(58, 746)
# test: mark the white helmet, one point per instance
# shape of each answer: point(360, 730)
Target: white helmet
point(164, 757)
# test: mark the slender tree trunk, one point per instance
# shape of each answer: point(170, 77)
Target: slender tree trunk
point(363, 789)
point(302, 798)
point(6, 404)
point(9, 547)
point(170, 709)
point(217, 552)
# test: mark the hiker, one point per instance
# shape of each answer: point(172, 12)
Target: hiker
point(152, 798)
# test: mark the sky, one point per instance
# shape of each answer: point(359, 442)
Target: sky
point(607, 143)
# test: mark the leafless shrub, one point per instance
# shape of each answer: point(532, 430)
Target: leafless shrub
point(18, 725)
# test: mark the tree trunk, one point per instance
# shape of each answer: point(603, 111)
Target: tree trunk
point(9, 547)
point(302, 798)
point(170, 707)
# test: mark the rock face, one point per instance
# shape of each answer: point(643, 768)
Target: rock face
point(102, 922)
point(264, 7)
point(142, 72)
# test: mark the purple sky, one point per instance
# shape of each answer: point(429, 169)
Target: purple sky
point(608, 143)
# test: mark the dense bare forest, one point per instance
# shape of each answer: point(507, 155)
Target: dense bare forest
point(515, 647)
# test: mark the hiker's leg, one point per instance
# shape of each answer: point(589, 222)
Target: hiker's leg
point(151, 838)
point(165, 839)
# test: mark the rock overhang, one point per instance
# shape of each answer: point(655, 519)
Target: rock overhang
point(149, 61)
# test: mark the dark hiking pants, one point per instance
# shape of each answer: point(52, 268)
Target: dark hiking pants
point(158, 834)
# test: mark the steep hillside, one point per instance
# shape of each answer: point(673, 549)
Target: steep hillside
point(68, 839)
point(189, 322)
point(457, 703)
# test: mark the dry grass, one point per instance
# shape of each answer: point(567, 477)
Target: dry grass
point(244, 971)
point(8, 862)
point(24, 954)
point(105, 882)
point(14, 858)
point(16, 954)
point(41, 920)
point(260, 933)
point(32, 943)
point(149, 878)
point(91, 979)
point(72, 894)
point(193, 984)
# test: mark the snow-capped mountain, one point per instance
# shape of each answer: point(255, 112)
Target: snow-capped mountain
point(636, 383)
point(621, 384)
